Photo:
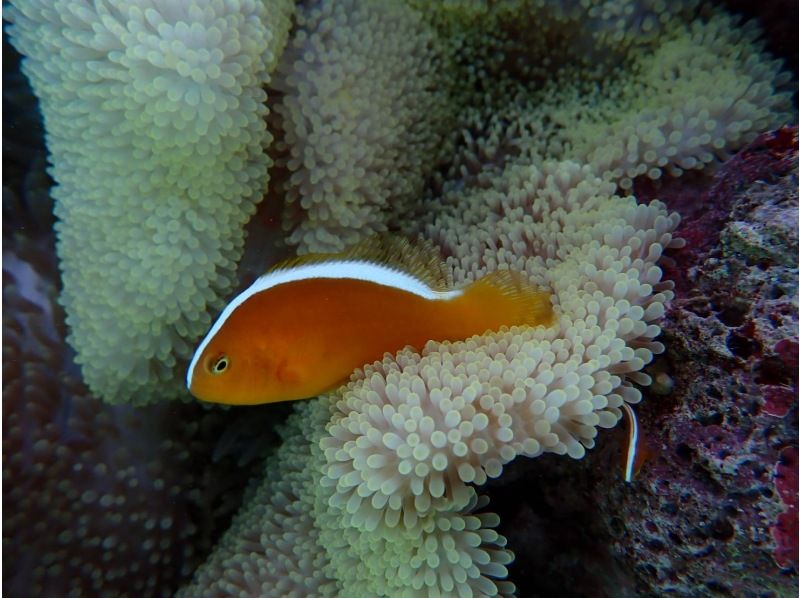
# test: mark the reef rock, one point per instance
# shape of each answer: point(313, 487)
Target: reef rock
point(714, 509)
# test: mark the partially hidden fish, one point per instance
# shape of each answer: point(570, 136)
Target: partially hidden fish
point(638, 450)
point(302, 328)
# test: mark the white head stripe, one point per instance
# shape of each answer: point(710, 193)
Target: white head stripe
point(352, 269)
point(633, 440)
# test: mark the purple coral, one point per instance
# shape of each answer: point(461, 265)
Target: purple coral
point(96, 498)
point(706, 512)
point(715, 510)
point(732, 334)
point(784, 532)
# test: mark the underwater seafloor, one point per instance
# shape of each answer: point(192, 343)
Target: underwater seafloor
point(116, 500)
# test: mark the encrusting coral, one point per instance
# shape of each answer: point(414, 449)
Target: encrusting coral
point(155, 126)
point(715, 510)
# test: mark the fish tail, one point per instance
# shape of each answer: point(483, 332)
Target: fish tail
point(508, 298)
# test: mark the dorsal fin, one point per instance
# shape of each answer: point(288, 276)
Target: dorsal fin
point(420, 259)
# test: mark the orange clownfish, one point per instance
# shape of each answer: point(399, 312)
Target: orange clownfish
point(303, 327)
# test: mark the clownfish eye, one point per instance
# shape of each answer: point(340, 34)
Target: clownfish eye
point(219, 365)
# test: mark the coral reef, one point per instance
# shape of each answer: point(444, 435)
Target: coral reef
point(730, 331)
point(272, 546)
point(713, 509)
point(686, 104)
point(784, 530)
point(96, 498)
point(631, 88)
point(363, 113)
point(387, 466)
point(156, 132)
point(570, 116)
point(148, 210)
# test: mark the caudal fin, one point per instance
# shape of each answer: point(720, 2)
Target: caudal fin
point(510, 299)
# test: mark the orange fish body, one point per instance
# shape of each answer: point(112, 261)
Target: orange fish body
point(328, 315)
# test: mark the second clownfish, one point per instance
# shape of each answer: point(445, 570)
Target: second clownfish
point(302, 328)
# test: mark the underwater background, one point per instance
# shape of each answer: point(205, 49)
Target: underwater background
point(526, 134)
